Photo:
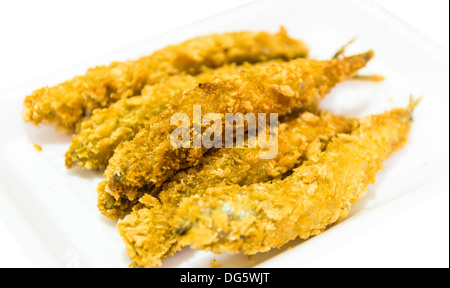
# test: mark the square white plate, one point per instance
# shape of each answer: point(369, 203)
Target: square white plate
point(52, 211)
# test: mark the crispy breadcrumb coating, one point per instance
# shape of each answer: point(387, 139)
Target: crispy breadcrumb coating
point(260, 217)
point(299, 139)
point(37, 147)
point(65, 105)
point(148, 233)
point(107, 128)
point(220, 200)
point(150, 159)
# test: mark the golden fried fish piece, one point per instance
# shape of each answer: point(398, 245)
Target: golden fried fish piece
point(65, 105)
point(147, 231)
point(107, 128)
point(150, 158)
point(260, 217)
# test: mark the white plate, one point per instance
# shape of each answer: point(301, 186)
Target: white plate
point(52, 211)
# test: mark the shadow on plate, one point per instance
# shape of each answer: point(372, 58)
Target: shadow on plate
point(192, 258)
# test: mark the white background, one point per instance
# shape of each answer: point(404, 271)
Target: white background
point(41, 37)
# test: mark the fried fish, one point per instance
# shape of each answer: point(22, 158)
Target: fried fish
point(66, 104)
point(259, 217)
point(150, 159)
point(107, 128)
point(148, 232)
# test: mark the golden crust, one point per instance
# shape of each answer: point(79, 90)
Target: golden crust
point(65, 105)
point(260, 217)
point(107, 128)
point(147, 231)
point(220, 200)
point(149, 159)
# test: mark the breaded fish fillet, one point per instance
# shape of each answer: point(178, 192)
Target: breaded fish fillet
point(101, 133)
point(150, 158)
point(65, 105)
point(260, 217)
point(148, 233)
point(298, 139)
